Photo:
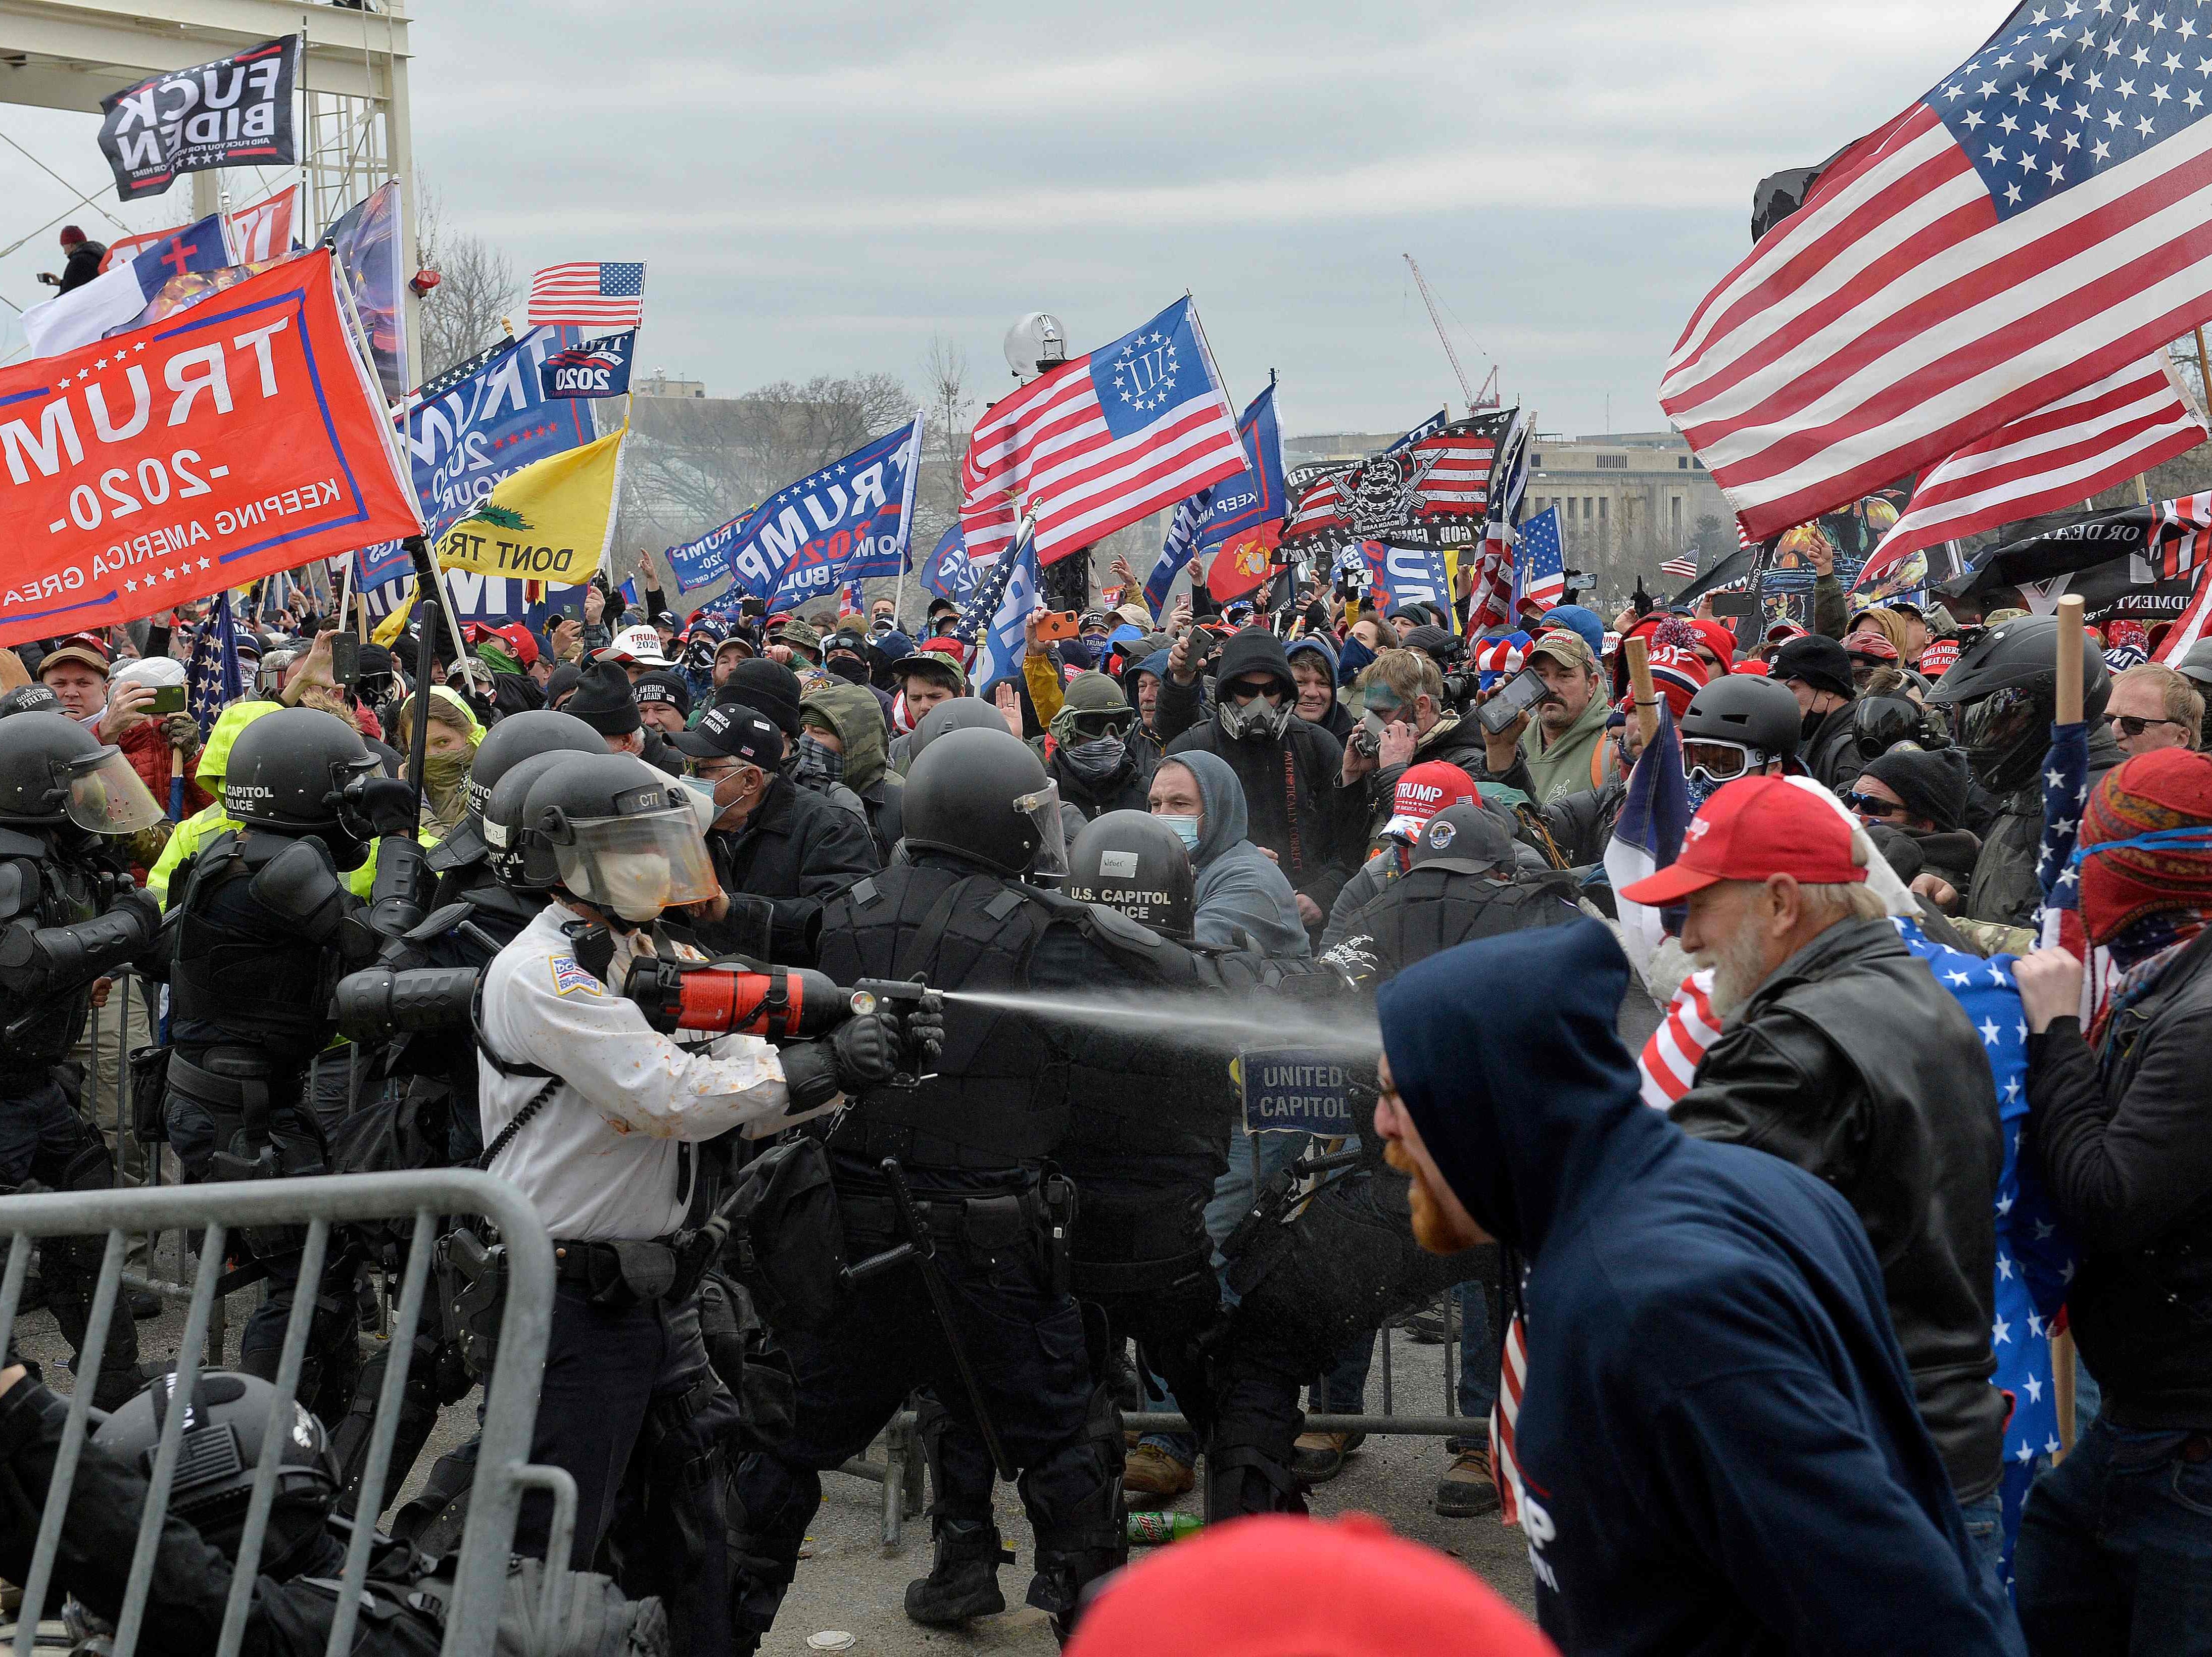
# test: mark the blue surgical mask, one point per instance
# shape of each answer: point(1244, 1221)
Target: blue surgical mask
point(1185, 830)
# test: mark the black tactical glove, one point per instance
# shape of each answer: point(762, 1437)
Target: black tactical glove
point(923, 1030)
point(387, 803)
point(863, 1053)
point(141, 907)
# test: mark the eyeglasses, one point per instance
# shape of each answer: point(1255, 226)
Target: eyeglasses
point(1868, 806)
point(2132, 724)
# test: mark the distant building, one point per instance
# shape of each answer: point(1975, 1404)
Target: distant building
point(1622, 492)
point(659, 385)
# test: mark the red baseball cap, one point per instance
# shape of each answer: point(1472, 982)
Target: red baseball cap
point(1276, 1586)
point(1423, 791)
point(1751, 829)
point(1937, 655)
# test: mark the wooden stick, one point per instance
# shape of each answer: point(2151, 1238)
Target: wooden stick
point(2203, 367)
point(2061, 1391)
point(2070, 659)
point(1639, 681)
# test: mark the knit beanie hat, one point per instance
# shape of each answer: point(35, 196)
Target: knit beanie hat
point(2169, 788)
point(602, 701)
point(1932, 784)
point(767, 686)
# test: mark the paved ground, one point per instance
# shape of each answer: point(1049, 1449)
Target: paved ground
point(850, 1582)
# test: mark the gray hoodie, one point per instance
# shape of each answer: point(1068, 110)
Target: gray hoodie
point(1238, 884)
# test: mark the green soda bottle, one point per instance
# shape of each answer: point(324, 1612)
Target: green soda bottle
point(1148, 1530)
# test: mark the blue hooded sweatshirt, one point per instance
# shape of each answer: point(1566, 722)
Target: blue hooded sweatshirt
point(1719, 1446)
point(1238, 884)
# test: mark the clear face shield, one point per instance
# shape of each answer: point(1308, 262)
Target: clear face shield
point(107, 795)
point(1043, 809)
point(637, 866)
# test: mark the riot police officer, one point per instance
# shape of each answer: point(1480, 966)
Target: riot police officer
point(62, 924)
point(294, 1599)
point(980, 815)
point(598, 1119)
point(263, 929)
point(1150, 1110)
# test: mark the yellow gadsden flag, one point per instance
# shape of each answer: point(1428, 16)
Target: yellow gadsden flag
point(549, 522)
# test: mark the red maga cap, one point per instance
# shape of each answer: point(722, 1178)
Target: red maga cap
point(1751, 829)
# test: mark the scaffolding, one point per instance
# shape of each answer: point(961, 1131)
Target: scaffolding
point(352, 120)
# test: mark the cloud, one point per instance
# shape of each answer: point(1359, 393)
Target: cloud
point(823, 189)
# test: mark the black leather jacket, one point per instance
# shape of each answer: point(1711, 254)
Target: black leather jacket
point(1851, 1062)
point(2126, 1147)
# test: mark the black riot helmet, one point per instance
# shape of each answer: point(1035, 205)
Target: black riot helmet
point(961, 713)
point(225, 1423)
point(288, 771)
point(1880, 722)
point(517, 738)
point(54, 771)
point(520, 861)
point(623, 836)
point(984, 796)
point(1134, 862)
point(1737, 725)
point(2002, 694)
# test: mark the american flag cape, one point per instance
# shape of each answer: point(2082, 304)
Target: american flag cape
point(2100, 435)
point(2039, 219)
point(2059, 925)
point(1104, 439)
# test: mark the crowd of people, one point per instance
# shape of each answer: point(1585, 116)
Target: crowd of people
point(1749, 1400)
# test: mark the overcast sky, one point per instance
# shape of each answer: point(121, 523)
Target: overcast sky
point(820, 189)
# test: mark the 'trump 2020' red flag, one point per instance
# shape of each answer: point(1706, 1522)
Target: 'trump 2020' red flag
point(1101, 442)
point(2041, 219)
point(232, 440)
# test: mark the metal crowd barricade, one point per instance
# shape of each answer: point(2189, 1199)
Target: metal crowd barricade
point(510, 1401)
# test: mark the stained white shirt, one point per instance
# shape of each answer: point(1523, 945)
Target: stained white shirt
point(602, 1159)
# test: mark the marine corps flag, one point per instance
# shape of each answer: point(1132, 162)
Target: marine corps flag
point(549, 522)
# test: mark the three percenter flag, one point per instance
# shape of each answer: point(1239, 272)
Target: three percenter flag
point(1104, 439)
point(2041, 219)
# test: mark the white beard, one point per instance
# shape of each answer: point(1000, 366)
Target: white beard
point(1739, 968)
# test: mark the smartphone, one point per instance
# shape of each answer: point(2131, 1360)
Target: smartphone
point(345, 658)
point(168, 698)
point(1057, 624)
point(1512, 700)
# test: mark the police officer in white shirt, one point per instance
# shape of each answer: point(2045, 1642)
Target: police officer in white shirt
point(597, 1116)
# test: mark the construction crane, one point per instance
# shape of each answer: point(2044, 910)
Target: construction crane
point(1488, 399)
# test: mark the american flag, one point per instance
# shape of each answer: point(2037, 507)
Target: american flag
point(1654, 815)
point(1682, 567)
point(1101, 442)
point(588, 295)
point(1668, 1063)
point(2101, 435)
point(995, 617)
point(1539, 576)
point(2041, 219)
point(2184, 534)
point(2182, 635)
point(213, 679)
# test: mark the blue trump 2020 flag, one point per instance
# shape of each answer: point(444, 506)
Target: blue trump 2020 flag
point(849, 520)
point(1001, 610)
point(946, 572)
point(1233, 507)
point(485, 419)
point(598, 367)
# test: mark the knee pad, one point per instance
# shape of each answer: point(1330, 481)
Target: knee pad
point(1074, 1497)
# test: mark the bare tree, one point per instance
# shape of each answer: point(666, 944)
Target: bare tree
point(692, 463)
point(476, 288)
point(945, 369)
